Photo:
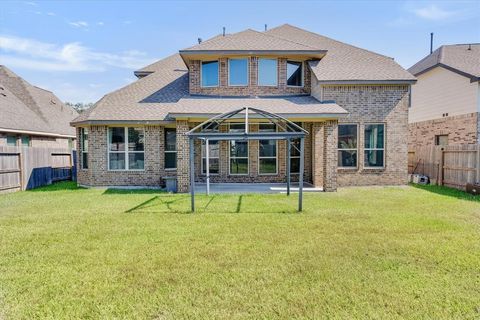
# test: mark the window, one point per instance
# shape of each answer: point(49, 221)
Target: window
point(238, 72)
point(267, 151)
point(267, 72)
point(84, 148)
point(238, 152)
point(126, 149)
point(213, 152)
point(70, 143)
point(170, 148)
point(209, 73)
point(26, 141)
point(347, 145)
point(294, 152)
point(441, 140)
point(11, 141)
point(294, 74)
point(374, 145)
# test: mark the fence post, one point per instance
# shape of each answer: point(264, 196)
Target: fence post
point(441, 171)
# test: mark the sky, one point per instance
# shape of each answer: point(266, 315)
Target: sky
point(82, 50)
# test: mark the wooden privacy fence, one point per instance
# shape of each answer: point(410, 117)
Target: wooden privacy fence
point(24, 168)
point(453, 166)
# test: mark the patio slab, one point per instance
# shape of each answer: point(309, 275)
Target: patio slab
point(253, 188)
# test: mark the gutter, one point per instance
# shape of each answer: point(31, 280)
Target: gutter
point(111, 122)
point(367, 82)
point(37, 133)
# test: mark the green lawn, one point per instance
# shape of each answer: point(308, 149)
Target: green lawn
point(382, 253)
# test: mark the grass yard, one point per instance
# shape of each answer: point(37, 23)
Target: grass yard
point(382, 253)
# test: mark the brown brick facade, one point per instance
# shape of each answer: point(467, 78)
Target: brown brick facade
point(252, 89)
point(373, 104)
point(461, 129)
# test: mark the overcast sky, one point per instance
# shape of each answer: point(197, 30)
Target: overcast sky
point(83, 50)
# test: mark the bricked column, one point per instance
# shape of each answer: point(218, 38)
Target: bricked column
point(183, 170)
point(330, 156)
point(317, 134)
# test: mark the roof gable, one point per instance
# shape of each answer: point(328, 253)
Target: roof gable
point(463, 59)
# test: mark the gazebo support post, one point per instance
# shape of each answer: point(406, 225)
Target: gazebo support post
point(288, 166)
point(300, 178)
point(207, 164)
point(192, 173)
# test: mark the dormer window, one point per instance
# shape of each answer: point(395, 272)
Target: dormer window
point(294, 74)
point(209, 73)
point(267, 72)
point(238, 72)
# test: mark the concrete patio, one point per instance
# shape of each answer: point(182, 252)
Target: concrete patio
point(253, 188)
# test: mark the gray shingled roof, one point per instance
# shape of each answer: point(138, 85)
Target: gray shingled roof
point(29, 108)
point(344, 62)
point(163, 89)
point(249, 40)
point(462, 58)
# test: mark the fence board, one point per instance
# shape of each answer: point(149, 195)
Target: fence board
point(27, 167)
point(453, 165)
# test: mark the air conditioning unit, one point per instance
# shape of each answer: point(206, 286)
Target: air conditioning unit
point(473, 188)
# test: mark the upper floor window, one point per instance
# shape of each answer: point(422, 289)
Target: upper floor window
point(294, 74)
point(209, 73)
point(267, 72)
point(238, 72)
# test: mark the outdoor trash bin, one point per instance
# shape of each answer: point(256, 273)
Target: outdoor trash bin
point(170, 184)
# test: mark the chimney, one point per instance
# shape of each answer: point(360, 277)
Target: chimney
point(431, 42)
point(199, 40)
point(224, 31)
point(265, 27)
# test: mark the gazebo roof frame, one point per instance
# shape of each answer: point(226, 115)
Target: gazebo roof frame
point(204, 131)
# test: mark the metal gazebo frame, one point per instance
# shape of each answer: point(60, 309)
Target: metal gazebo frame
point(290, 131)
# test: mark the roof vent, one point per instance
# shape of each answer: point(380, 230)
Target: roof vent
point(265, 27)
point(469, 46)
point(3, 94)
point(52, 102)
point(199, 40)
point(224, 31)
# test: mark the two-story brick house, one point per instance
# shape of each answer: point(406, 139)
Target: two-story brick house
point(352, 102)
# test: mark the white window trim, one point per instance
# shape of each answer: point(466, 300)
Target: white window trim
point(276, 155)
point(302, 75)
point(258, 73)
point(126, 152)
point(201, 77)
point(210, 158)
point(169, 151)
point(367, 149)
point(248, 72)
point(82, 149)
point(358, 145)
point(230, 155)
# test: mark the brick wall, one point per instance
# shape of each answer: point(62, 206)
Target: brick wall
point(252, 89)
point(461, 129)
point(374, 104)
point(98, 174)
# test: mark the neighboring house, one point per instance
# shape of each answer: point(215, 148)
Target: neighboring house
point(445, 104)
point(353, 103)
point(31, 116)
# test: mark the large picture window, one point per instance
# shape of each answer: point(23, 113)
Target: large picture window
point(267, 72)
point(209, 73)
point(84, 148)
point(238, 152)
point(170, 148)
point(238, 72)
point(267, 151)
point(126, 148)
point(374, 145)
point(347, 145)
point(294, 74)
